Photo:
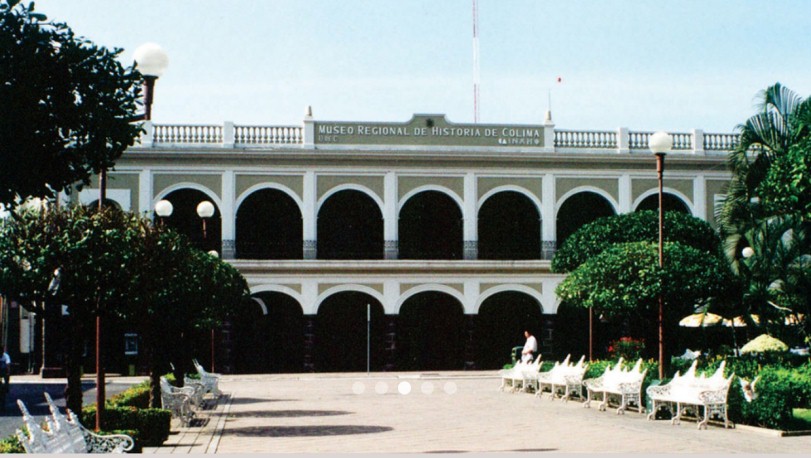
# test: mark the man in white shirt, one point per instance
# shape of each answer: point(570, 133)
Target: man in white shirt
point(530, 347)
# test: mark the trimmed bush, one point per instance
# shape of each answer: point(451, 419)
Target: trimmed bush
point(135, 396)
point(152, 425)
point(11, 445)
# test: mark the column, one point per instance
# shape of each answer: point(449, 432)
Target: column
point(625, 194)
point(391, 343)
point(309, 342)
point(310, 217)
point(548, 223)
point(700, 197)
point(228, 214)
point(470, 218)
point(390, 217)
point(470, 343)
point(145, 192)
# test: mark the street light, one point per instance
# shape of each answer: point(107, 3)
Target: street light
point(151, 60)
point(748, 252)
point(205, 210)
point(164, 209)
point(660, 143)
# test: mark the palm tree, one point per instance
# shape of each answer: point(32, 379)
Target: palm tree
point(784, 119)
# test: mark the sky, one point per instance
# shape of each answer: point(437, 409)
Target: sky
point(645, 65)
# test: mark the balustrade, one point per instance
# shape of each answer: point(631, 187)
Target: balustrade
point(267, 135)
point(167, 133)
point(721, 142)
point(585, 139)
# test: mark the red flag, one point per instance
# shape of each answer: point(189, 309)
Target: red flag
point(560, 79)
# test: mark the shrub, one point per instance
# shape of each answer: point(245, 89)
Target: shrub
point(152, 425)
point(11, 445)
point(135, 396)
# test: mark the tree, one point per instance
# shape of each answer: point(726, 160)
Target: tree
point(786, 188)
point(784, 120)
point(67, 105)
point(592, 238)
point(624, 281)
point(89, 249)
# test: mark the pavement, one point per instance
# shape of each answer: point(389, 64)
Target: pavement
point(448, 412)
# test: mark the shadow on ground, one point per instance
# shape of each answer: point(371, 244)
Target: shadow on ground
point(288, 413)
point(258, 400)
point(304, 431)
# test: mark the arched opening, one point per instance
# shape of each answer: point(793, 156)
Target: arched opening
point(579, 209)
point(501, 323)
point(107, 203)
point(268, 226)
point(341, 333)
point(670, 203)
point(269, 340)
point(350, 226)
point(431, 333)
point(430, 227)
point(184, 219)
point(509, 227)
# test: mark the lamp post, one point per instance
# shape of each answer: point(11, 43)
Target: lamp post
point(164, 209)
point(205, 210)
point(151, 60)
point(660, 143)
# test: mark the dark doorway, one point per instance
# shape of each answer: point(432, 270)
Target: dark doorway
point(269, 339)
point(341, 333)
point(501, 323)
point(509, 227)
point(350, 226)
point(269, 226)
point(431, 333)
point(430, 227)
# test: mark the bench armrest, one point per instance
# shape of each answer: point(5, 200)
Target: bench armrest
point(110, 443)
point(714, 396)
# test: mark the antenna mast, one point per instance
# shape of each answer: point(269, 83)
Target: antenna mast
point(475, 63)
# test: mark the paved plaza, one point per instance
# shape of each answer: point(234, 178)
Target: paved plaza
point(434, 413)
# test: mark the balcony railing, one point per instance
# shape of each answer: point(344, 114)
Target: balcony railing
point(621, 140)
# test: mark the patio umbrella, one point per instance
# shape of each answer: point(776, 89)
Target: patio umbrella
point(764, 343)
point(698, 320)
point(739, 321)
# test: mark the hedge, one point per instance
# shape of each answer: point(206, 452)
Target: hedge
point(152, 424)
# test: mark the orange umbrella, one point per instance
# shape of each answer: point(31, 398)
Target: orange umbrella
point(740, 322)
point(698, 320)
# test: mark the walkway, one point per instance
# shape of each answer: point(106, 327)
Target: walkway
point(419, 413)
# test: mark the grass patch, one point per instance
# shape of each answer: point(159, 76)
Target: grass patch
point(802, 420)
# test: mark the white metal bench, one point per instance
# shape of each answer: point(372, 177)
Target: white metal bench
point(521, 372)
point(177, 400)
point(66, 434)
point(566, 376)
point(617, 381)
point(689, 391)
point(209, 380)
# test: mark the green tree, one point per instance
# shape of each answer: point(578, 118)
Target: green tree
point(624, 281)
point(91, 251)
point(786, 188)
point(67, 105)
point(591, 239)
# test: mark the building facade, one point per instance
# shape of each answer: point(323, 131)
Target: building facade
point(427, 242)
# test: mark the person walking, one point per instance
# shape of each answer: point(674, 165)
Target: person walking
point(530, 347)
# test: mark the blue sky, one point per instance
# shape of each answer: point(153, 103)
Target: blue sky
point(646, 65)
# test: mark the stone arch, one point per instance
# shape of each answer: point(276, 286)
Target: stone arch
point(279, 289)
point(268, 225)
point(340, 333)
point(581, 206)
point(509, 226)
point(349, 287)
point(268, 337)
point(502, 318)
point(673, 201)
point(350, 187)
point(213, 196)
point(430, 225)
point(431, 332)
point(431, 287)
point(430, 187)
point(510, 188)
point(524, 289)
point(350, 225)
point(261, 186)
